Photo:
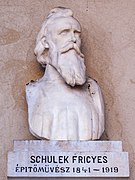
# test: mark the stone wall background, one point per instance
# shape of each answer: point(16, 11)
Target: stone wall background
point(109, 46)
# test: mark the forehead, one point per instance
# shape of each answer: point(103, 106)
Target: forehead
point(64, 23)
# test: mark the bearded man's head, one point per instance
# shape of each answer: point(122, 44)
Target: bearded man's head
point(58, 44)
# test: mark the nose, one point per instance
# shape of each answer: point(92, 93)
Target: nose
point(73, 37)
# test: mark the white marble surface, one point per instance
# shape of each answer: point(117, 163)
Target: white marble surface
point(64, 104)
point(67, 159)
point(43, 145)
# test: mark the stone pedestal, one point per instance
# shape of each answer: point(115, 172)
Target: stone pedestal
point(68, 159)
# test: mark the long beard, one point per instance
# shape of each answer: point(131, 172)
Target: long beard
point(70, 65)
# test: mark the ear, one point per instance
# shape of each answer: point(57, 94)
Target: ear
point(44, 42)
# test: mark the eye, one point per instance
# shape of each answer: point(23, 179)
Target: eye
point(64, 31)
point(77, 32)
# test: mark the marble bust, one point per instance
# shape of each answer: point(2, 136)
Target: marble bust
point(64, 104)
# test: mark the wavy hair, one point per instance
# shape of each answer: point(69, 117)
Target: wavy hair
point(41, 51)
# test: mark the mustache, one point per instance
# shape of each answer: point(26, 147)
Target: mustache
point(71, 46)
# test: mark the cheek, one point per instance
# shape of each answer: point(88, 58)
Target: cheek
point(61, 41)
point(78, 41)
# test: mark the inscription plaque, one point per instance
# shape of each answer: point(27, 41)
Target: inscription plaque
point(67, 163)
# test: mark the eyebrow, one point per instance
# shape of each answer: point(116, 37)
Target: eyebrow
point(78, 30)
point(68, 28)
point(64, 29)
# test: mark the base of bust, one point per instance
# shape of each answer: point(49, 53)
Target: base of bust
point(41, 158)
